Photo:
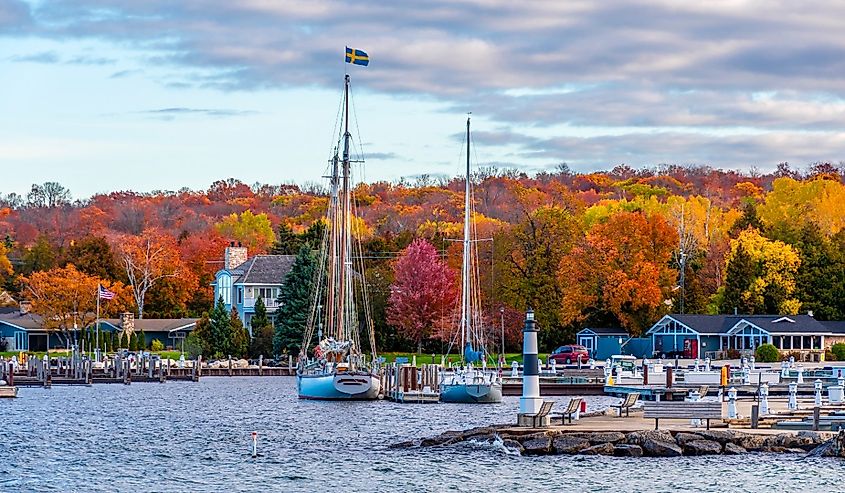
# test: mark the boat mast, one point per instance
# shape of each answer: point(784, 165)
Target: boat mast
point(344, 226)
point(465, 266)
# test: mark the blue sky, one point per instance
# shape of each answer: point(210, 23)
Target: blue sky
point(105, 95)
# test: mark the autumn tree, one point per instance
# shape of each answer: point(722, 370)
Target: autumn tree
point(423, 295)
point(66, 298)
point(619, 274)
point(254, 231)
point(148, 259)
point(5, 264)
point(762, 279)
point(40, 256)
point(93, 255)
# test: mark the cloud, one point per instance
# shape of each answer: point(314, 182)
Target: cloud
point(172, 113)
point(381, 155)
point(594, 73)
point(41, 57)
point(15, 17)
point(88, 60)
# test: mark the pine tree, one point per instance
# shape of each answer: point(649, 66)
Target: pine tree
point(259, 318)
point(124, 340)
point(287, 242)
point(739, 275)
point(294, 303)
point(142, 341)
point(133, 342)
point(220, 330)
point(239, 336)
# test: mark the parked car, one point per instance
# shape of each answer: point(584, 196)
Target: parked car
point(570, 354)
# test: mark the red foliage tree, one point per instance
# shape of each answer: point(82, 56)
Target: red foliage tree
point(423, 295)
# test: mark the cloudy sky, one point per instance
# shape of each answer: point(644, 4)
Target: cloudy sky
point(108, 95)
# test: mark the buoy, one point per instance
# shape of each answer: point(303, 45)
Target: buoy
point(254, 444)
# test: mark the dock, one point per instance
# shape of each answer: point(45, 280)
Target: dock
point(407, 384)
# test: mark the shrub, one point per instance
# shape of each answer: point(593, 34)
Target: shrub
point(767, 353)
point(157, 345)
point(838, 351)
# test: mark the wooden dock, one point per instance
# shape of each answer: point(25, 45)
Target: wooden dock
point(7, 391)
point(408, 384)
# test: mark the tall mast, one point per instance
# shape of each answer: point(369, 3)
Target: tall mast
point(465, 273)
point(344, 226)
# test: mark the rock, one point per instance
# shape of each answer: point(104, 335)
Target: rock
point(657, 448)
point(565, 444)
point(805, 442)
point(639, 437)
point(512, 444)
point(408, 444)
point(734, 449)
point(537, 445)
point(702, 447)
point(480, 430)
point(600, 449)
point(835, 447)
point(625, 450)
point(600, 437)
point(721, 436)
point(444, 438)
point(684, 438)
point(753, 443)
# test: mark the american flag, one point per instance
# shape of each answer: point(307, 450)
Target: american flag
point(105, 294)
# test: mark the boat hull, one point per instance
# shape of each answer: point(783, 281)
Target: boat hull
point(337, 387)
point(461, 393)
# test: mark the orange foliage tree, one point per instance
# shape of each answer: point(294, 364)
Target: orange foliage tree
point(147, 259)
point(620, 272)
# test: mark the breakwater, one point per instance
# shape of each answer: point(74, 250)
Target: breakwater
point(648, 443)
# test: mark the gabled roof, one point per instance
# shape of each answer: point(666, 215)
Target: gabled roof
point(262, 269)
point(773, 324)
point(605, 331)
point(835, 326)
point(29, 321)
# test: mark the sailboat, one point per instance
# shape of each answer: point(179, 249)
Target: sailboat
point(338, 369)
point(470, 384)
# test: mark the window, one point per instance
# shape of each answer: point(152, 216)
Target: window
point(267, 293)
point(240, 295)
point(224, 288)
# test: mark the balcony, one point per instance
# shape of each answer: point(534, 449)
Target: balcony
point(269, 303)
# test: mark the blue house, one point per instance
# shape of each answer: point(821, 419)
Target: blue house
point(243, 280)
point(602, 342)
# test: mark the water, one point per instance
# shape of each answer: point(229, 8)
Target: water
point(196, 437)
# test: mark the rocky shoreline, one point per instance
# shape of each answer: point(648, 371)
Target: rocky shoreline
point(651, 443)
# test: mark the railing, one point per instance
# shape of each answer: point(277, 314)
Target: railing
point(269, 302)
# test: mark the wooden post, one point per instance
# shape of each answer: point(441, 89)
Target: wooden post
point(816, 416)
point(645, 374)
point(127, 372)
point(755, 416)
point(260, 365)
point(670, 380)
point(230, 365)
point(11, 379)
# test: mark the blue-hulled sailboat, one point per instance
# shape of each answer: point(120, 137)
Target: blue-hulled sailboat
point(337, 368)
point(472, 382)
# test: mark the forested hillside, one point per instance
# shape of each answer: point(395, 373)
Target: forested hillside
point(597, 249)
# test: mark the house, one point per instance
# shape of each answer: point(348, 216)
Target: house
point(602, 342)
point(243, 280)
point(23, 330)
point(698, 335)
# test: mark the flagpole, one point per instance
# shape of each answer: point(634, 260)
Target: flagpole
point(97, 326)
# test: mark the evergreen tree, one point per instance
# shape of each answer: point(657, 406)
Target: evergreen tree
point(239, 336)
point(262, 341)
point(294, 303)
point(259, 318)
point(821, 275)
point(133, 342)
point(200, 337)
point(287, 242)
point(142, 341)
point(220, 330)
point(113, 341)
point(749, 219)
point(124, 340)
point(739, 275)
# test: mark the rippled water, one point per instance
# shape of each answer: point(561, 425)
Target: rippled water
point(196, 437)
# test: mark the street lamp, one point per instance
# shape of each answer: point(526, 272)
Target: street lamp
point(502, 317)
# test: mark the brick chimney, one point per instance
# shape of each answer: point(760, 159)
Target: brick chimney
point(25, 306)
point(234, 256)
point(127, 322)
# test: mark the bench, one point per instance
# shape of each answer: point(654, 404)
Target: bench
point(540, 419)
point(706, 410)
point(703, 390)
point(571, 410)
point(627, 403)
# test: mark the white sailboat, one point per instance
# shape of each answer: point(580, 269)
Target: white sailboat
point(338, 369)
point(470, 383)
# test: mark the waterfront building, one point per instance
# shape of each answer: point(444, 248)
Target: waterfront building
point(23, 330)
point(243, 280)
point(602, 342)
point(698, 336)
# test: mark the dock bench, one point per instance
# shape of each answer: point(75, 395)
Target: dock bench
point(570, 411)
point(706, 410)
point(539, 420)
point(627, 403)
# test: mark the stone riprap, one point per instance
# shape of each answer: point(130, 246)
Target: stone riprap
point(649, 443)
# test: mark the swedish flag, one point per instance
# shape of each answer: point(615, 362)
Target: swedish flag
point(357, 57)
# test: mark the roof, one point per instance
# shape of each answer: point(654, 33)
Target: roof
point(156, 324)
point(835, 326)
point(263, 269)
point(29, 321)
point(605, 331)
point(773, 324)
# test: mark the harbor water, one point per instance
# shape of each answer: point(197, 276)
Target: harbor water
point(197, 437)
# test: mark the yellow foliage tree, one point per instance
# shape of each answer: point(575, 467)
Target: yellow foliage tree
point(791, 202)
point(253, 230)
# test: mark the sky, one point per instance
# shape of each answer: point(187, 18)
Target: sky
point(104, 95)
